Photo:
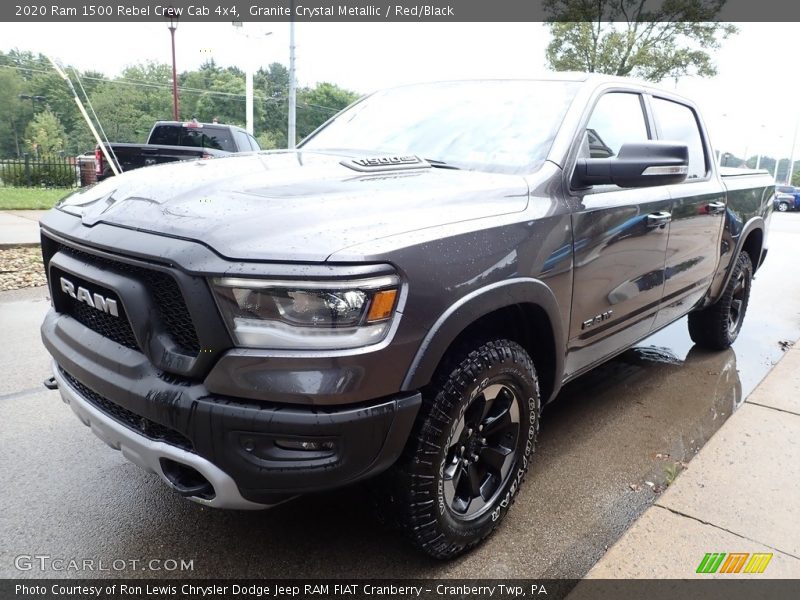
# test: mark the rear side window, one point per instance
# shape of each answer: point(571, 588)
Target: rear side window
point(242, 140)
point(678, 123)
point(617, 119)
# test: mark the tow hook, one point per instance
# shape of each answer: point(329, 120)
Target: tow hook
point(50, 383)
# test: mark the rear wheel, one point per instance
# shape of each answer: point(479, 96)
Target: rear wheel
point(717, 326)
point(783, 206)
point(469, 451)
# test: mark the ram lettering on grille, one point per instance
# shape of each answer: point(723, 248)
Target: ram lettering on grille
point(96, 301)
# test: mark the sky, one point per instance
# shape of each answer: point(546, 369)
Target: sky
point(749, 107)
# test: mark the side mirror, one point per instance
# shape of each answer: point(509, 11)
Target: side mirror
point(645, 164)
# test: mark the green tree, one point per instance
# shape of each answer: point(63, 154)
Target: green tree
point(128, 106)
point(269, 141)
point(214, 92)
point(46, 134)
point(272, 92)
point(14, 117)
point(318, 104)
point(627, 38)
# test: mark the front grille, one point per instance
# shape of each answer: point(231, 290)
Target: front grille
point(167, 297)
point(114, 328)
point(149, 429)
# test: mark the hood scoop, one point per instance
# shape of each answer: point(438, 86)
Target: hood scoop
point(374, 164)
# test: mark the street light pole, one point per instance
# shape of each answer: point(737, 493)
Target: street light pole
point(760, 142)
point(777, 161)
point(248, 79)
point(790, 171)
point(172, 15)
point(33, 99)
point(292, 124)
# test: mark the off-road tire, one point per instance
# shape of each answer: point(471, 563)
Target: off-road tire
point(714, 327)
point(412, 495)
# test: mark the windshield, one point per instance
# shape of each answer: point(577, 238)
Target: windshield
point(500, 126)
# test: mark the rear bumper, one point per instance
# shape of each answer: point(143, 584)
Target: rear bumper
point(238, 445)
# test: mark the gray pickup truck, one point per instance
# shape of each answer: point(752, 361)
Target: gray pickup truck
point(397, 299)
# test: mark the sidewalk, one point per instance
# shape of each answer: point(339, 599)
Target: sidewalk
point(19, 227)
point(740, 494)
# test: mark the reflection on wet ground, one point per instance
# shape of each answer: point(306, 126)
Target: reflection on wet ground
point(682, 401)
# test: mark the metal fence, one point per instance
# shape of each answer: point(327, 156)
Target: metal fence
point(50, 171)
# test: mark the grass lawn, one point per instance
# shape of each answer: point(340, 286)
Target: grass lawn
point(15, 198)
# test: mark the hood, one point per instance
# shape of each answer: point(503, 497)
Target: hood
point(292, 206)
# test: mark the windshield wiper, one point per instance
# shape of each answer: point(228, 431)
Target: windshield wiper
point(440, 164)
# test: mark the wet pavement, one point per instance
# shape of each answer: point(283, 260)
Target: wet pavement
point(608, 446)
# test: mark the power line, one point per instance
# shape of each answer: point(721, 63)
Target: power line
point(167, 86)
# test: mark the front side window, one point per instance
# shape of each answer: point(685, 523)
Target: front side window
point(617, 119)
point(678, 123)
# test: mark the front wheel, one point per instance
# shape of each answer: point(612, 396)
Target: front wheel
point(717, 326)
point(783, 206)
point(469, 451)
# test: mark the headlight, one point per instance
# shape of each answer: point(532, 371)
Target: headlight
point(307, 315)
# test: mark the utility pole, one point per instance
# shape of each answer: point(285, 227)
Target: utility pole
point(172, 15)
point(292, 135)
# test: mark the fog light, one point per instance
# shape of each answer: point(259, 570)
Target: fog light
point(304, 445)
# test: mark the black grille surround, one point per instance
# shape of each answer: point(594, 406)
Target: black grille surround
point(167, 298)
point(146, 427)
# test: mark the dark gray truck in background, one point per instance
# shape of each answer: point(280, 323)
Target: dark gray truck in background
point(397, 299)
point(171, 141)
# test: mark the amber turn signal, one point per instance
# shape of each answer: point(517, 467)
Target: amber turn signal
point(382, 305)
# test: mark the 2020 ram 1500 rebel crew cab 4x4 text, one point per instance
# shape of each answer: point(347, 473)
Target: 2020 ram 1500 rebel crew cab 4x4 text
point(398, 298)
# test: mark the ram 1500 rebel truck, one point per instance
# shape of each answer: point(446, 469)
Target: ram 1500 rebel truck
point(397, 299)
point(171, 141)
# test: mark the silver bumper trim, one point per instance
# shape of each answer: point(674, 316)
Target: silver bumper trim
point(146, 453)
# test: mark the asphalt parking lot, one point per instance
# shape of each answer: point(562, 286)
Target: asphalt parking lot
point(608, 446)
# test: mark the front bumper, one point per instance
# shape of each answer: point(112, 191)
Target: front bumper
point(148, 454)
point(179, 429)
